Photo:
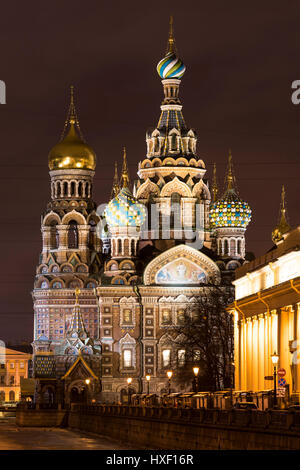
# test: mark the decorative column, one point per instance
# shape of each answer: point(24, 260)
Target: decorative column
point(261, 351)
point(46, 234)
point(249, 361)
point(237, 351)
point(83, 235)
point(63, 243)
point(255, 357)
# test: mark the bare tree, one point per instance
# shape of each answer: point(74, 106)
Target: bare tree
point(203, 337)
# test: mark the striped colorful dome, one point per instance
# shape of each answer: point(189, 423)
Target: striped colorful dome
point(230, 211)
point(124, 211)
point(170, 67)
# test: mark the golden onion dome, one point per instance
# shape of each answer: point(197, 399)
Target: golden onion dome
point(72, 152)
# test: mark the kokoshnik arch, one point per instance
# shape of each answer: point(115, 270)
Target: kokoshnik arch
point(105, 300)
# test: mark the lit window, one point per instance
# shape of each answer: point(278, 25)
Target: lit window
point(127, 358)
point(12, 366)
point(181, 357)
point(21, 365)
point(166, 355)
point(166, 317)
point(127, 316)
point(180, 316)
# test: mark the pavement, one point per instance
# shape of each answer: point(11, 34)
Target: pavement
point(13, 437)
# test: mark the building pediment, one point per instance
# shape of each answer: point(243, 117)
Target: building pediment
point(182, 265)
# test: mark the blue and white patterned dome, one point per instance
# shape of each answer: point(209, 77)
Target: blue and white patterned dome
point(230, 211)
point(171, 67)
point(124, 211)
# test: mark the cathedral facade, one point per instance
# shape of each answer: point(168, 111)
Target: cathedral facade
point(112, 284)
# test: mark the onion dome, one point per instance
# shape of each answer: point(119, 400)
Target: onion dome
point(72, 152)
point(171, 66)
point(283, 225)
point(124, 210)
point(230, 211)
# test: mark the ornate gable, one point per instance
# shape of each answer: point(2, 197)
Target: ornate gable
point(182, 265)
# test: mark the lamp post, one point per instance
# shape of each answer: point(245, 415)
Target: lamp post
point(148, 377)
point(196, 372)
point(169, 374)
point(129, 380)
point(275, 359)
point(87, 382)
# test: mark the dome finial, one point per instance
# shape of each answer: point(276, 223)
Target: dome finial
point(215, 189)
point(230, 179)
point(125, 174)
point(171, 66)
point(116, 186)
point(72, 118)
point(283, 225)
point(171, 40)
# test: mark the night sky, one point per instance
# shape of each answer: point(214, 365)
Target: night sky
point(240, 59)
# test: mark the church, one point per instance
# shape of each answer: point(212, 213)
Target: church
point(112, 282)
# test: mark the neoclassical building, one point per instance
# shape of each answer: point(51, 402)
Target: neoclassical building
point(159, 243)
point(267, 312)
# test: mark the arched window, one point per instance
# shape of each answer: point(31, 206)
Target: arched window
point(80, 189)
point(73, 234)
point(119, 247)
point(225, 247)
point(92, 235)
point(11, 395)
point(73, 188)
point(239, 247)
point(2, 396)
point(65, 191)
point(126, 247)
point(54, 237)
point(175, 213)
point(232, 247)
point(132, 247)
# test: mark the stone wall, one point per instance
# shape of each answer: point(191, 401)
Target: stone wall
point(172, 428)
point(40, 417)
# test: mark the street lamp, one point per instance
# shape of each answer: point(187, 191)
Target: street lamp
point(87, 381)
point(196, 372)
point(129, 380)
point(275, 359)
point(148, 377)
point(169, 374)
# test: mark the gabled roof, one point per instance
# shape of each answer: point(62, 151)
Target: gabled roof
point(79, 359)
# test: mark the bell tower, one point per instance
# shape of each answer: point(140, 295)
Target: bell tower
point(70, 255)
point(171, 183)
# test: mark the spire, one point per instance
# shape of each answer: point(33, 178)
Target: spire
point(229, 178)
point(214, 187)
point(72, 118)
point(125, 175)
point(76, 328)
point(171, 40)
point(283, 225)
point(116, 186)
